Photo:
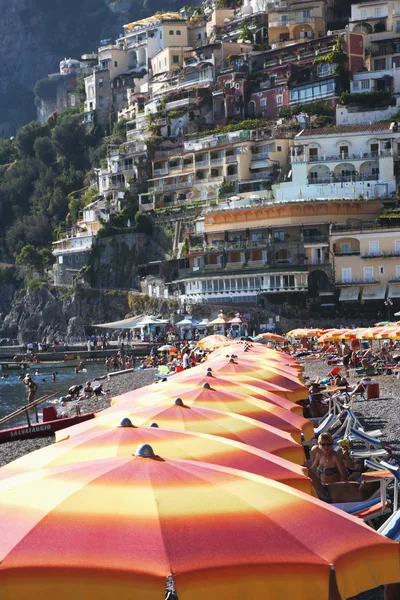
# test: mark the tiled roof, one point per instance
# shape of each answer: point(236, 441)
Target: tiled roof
point(382, 126)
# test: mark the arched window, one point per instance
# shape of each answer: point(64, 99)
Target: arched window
point(171, 32)
point(178, 32)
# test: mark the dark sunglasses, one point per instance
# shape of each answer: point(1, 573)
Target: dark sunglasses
point(330, 444)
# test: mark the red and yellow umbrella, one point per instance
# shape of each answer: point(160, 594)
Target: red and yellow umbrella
point(210, 342)
point(124, 439)
point(229, 367)
point(241, 388)
point(119, 527)
point(199, 420)
point(261, 410)
point(176, 386)
point(269, 336)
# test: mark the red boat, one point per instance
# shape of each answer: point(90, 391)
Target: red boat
point(47, 427)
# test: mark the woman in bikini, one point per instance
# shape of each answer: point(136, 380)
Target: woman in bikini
point(328, 466)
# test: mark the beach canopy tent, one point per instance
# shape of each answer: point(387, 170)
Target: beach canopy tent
point(187, 322)
point(123, 324)
point(150, 320)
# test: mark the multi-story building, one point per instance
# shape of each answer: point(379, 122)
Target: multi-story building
point(378, 20)
point(385, 53)
point(253, 254)
point(248, 161)
point(366, 263)
point(296, 74)
point(125, 166)
point(296, 21)
point(145, 38)
point(346, 161)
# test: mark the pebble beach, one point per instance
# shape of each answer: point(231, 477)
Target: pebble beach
point(382, 413)
point(117, 384)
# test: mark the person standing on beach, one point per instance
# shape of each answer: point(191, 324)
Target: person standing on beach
point(32, 388)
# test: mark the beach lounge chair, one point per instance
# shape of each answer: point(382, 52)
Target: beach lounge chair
point(379, 503)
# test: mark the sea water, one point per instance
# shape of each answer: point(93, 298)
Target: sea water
point(13, 391)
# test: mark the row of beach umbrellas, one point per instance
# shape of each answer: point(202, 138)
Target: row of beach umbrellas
point(379, 331)
point(198, 478)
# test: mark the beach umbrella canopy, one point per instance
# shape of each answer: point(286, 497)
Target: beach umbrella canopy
point(261, 410)
point(269, 336)
point(118, 527)
point(124, 439)
point(187, 321)
point(167, 347)
point(254, 387)
point(199, 420)
point(197, 380)
point(213, 341)
point(261, 355)
point(299, 333)
point(227, 367)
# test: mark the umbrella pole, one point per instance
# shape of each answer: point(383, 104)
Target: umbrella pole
point(333, 588)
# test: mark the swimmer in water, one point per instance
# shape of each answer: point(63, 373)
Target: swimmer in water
point(54, 376)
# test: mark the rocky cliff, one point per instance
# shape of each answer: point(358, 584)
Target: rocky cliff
point(37, 34)
point(47, 312)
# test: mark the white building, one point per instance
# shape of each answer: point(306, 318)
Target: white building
point(350, 161)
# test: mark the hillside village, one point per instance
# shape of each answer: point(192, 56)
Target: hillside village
point(263, 144)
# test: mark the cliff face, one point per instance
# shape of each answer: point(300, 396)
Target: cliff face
point(37, 34)
point(44, 313)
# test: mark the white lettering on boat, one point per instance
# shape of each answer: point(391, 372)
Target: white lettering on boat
point(27, 430)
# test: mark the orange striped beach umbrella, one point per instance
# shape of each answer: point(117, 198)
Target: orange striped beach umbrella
point(276, 360)
point(228, 367)
point(261, 410)
point(118, 527)
point(197, 380)
point(124, 439)
point(199, 420)
point(210, 342)
point(269, 336)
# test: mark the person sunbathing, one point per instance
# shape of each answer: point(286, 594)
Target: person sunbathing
point(339, 492)
point(328, 467)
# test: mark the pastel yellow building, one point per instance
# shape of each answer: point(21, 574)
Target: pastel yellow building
point(250, 254)
point(296, 21)
point(250, 161)
point(366, 262)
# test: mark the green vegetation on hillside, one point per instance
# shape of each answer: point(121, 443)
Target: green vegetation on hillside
point(38, 170)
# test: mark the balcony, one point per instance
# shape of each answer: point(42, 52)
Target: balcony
point(179, 103)
point(350, 253)
point(156, 188)
point(362, 281)
point(261, 175)
point(373, 254)
point(354, 179)
point(177, 186)
point(290, 21)
point(160, 172)
point(260, 156)
point(231, 159)
point(171, 152)
point(233, 177)
point(315, 239)
point(202, 163)
point(395, 279)
point(341, 157)
point(217, 162)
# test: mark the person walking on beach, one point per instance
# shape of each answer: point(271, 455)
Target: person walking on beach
point(32, 388)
